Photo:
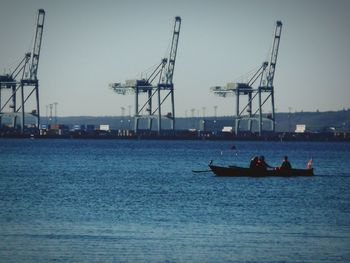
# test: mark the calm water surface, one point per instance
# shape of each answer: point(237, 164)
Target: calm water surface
point(136, 201)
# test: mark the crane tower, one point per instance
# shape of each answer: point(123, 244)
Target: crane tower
point(265, 90)
point(23, 82)
point(160, 92)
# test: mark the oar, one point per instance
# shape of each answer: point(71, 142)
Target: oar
point(201, 171)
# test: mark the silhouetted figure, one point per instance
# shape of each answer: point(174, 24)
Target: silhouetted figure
point(286, 164)
point(262, 164)
point(254, 162)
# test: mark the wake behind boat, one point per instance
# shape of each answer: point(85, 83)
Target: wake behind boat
point(254, 172)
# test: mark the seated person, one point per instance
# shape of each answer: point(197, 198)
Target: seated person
point(285, 164)
point(261, 164)
point(253, 162)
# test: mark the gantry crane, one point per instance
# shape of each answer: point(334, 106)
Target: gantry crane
point(24, 75)
point(163, 73)
point(265, 73)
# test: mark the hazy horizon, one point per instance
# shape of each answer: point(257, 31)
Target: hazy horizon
point(89, 44)
point(208, 115)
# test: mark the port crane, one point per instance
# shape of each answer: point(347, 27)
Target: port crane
point(265, 90)
point(23, 81)
point(159, 86)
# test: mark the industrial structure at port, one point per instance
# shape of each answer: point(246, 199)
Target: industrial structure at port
point(265, 75)
point(23, 82)
point(22, 85)
point(163, 75)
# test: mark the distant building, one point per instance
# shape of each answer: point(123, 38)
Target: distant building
point(78, 127)
point(104, 127)
point(227, 129)
point(214, 125)
point(300, 128)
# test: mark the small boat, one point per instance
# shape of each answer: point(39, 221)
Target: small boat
point(255, 172)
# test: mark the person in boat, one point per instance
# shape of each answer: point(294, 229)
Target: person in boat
point(261, 164)
point(254, 162)
point(309, 164)
point(285, 164)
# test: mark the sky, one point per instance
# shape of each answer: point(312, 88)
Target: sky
point(89, 44)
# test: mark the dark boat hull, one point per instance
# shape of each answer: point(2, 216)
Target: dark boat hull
point(241, 171)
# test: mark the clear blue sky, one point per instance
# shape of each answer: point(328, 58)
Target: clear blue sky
point(89, 44)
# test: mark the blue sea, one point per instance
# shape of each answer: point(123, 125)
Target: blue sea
point(138, 201)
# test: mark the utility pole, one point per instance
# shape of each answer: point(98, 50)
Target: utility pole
point(203, 110)
point(51, 106)
point(289, 119)
point(215, 111)
point(55, 103)
point(47, 115)
point(192, 112)
point(129, 106)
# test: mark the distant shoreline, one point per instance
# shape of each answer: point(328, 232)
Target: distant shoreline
point(315, 122)
point(186, 135)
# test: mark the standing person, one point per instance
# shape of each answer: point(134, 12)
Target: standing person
point(286, 164)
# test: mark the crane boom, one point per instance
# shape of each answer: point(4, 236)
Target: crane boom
point(34, 59)
point(274, 53)
point(168, 83)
